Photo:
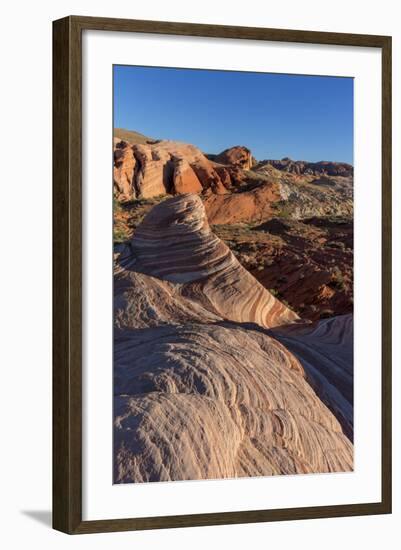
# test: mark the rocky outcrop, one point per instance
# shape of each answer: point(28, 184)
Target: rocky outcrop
point(234, 188)
point(154, 171)
point(255, 205)
point(145, 170)
point(174, 242)
point(310, 168)
point(236, 156)
point(308, 263)
point(185, 180)
point(124, 170)
point(204, 387)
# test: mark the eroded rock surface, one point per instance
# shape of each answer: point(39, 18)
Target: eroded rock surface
point(144, 170)
point(203, 387)
point(325, 350)
point(236, 156)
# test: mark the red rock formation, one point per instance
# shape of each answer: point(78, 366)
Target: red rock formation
point(124, 170)
point(152, 169)
point(309, 263)
point(185, 180)
point(236, 156)
point(225, 175)
point(254, 205)
point(151, 179)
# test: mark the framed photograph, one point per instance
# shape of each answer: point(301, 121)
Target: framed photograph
point(222, 275)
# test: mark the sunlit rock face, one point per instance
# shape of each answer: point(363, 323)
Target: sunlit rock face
point(237, 156)
point(145, 170)
point(203, 389)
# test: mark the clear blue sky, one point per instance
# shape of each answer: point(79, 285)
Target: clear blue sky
point(275, 115)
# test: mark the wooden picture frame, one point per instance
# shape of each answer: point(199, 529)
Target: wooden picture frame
point(67, 274)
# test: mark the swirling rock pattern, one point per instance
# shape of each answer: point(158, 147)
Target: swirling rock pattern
point(174, 242)
point(203, 388)
point(325, 350)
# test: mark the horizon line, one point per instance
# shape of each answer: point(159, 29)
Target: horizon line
point(230, 147)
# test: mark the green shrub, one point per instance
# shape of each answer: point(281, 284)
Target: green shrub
point(338, 278)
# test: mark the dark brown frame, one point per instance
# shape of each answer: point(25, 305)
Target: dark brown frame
point(67, 294)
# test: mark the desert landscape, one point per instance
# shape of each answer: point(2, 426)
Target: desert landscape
point(233, 301)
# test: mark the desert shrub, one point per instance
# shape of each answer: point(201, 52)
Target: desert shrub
point(338, 278)
point(337, 244)
point(285, 211)
point(120, 234)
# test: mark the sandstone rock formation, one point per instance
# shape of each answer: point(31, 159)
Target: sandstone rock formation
point(236, 156)
point(310, 263)
point(124, 170)
point(174, 242)
point(254, 205)
point(185, 180)
point(203, 387)
point(291, 221)
point(325, 350)
point(234, 187)
point(144, 170)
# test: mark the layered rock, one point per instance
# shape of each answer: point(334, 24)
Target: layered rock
point(174, 242)
point(309, 263)
point(124, 170)
point(325, 350)
point(204, 401)
point(145, 170)
point(154, 171)
point(203, 387)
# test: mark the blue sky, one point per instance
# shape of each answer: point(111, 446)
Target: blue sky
point(275, 115)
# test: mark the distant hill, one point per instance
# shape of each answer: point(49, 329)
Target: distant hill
point(130, 136)
point(310, 168)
